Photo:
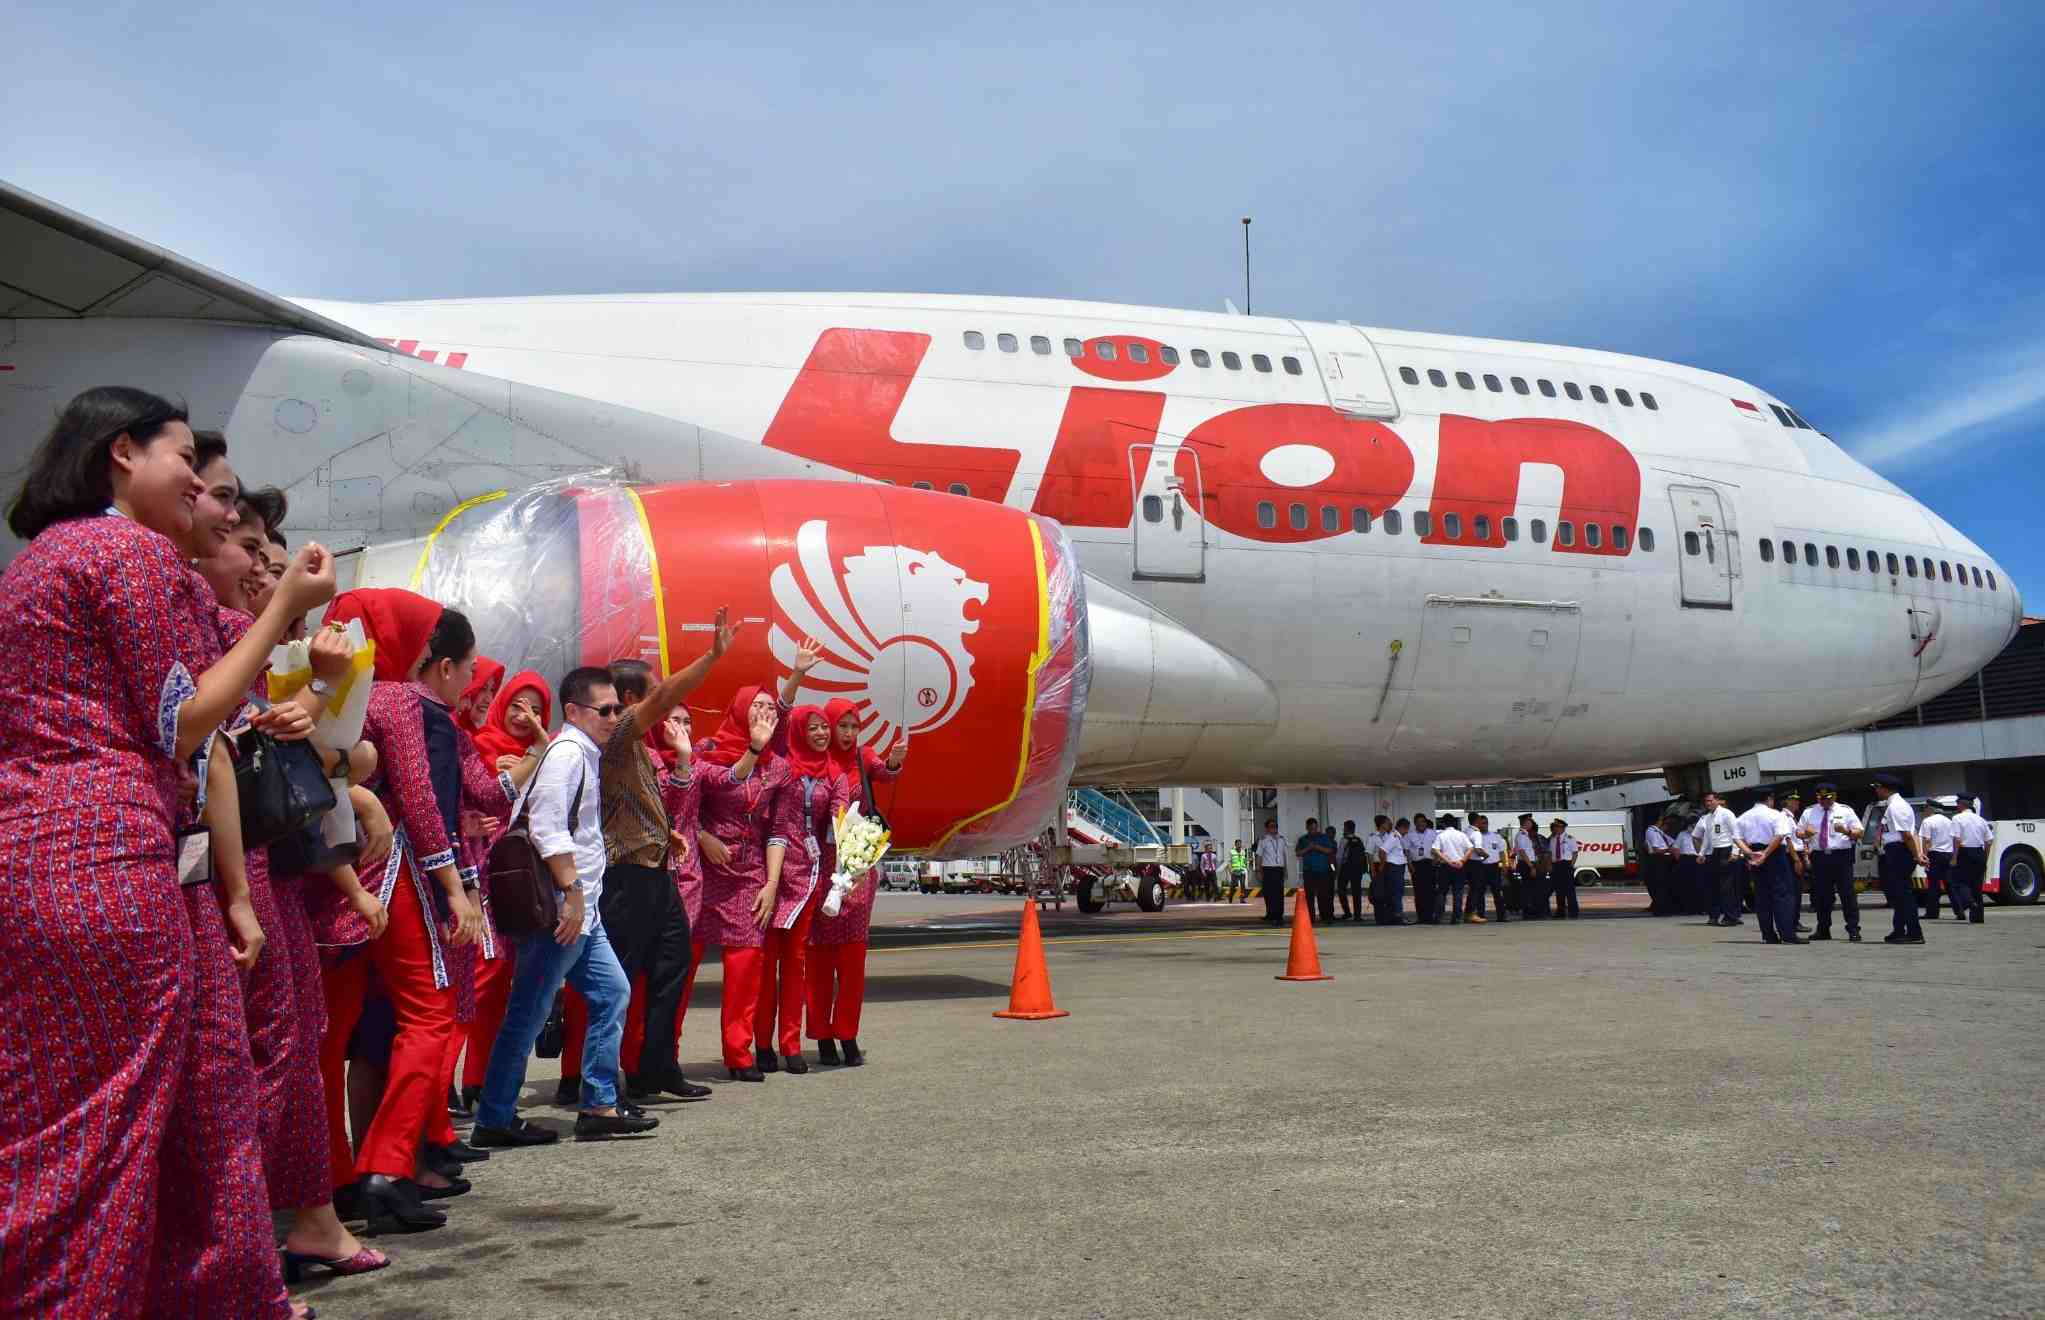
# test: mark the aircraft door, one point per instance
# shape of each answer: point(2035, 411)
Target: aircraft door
point(1350, 369)
point(1927, 641)
point(1704, 549)
point(1171, 534)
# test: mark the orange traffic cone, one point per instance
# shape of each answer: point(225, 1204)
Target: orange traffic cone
point(1304, 962)
point(1029, 993)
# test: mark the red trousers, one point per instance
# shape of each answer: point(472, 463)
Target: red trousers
point(837, 990)
point(744, 969)
point(493, 992)
point(414, 1092)
point(784, 982)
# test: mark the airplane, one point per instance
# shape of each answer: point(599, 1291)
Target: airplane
point(1057, 540)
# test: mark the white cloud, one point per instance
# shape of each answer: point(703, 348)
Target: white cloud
point(1904, 432)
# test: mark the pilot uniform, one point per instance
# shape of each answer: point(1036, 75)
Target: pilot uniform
point(1898, 825)
point(1971, 835)
point(1658, 844)
point(1715, 848)
point(1831, 833)
point(1391, 901)
point(1526, 860)
point(1936, 829)
point(1452, 853)
point(1765, 832)
point(1689, 901)
point(1420, 865)
point(1562, 873)
point(1490, 876)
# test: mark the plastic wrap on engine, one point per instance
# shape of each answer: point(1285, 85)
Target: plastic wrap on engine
point(549, 575)
point(1063, 668)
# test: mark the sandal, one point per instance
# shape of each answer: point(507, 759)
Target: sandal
point(366, 1261)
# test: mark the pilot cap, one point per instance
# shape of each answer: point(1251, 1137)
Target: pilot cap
point(1948, 802)
point(1827, 787)
point(1887, 781)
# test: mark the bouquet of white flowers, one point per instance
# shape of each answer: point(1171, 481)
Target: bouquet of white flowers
point(861, 845)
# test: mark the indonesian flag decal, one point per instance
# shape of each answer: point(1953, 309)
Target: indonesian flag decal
point(1749, 410)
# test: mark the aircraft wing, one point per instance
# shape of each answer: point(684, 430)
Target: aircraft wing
point(56, 263)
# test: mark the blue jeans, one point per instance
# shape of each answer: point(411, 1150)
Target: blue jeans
point(588, 964)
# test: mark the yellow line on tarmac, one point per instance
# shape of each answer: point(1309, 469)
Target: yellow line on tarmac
point(1050, 941)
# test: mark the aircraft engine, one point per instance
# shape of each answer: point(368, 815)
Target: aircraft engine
point(957, 624)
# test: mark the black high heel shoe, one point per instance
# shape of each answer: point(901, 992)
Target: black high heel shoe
point(827, 1052)
point(746, 1074)
point(854, 1057)
point(794, 1064)
point(768, 1061)
point(393, 1206)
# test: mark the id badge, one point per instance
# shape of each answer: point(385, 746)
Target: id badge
point(195, 858)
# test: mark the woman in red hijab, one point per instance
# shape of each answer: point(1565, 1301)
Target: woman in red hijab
point(477, 698)
point(820, 792)
point(409, 957)
point(748, 815)
point(837, 956)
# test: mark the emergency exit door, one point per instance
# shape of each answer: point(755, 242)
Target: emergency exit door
point(1171, 536)
point(1705, 549)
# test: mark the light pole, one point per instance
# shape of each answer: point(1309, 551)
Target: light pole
point(1246, 265)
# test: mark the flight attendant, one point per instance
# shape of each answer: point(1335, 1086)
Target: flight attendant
point(748, 813)
point(837, 968)
point(130, 1177)
point(1972, 835)
point(1831, 829)
point(1902, 852)
point(429, 910)
point(819, 793)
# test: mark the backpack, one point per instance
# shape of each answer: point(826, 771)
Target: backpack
point(523, 899)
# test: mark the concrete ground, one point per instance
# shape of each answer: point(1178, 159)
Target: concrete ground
point(1618, 1116)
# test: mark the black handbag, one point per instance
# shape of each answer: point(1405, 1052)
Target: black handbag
point(523, 899)
point(872, 811)
point(553, 1032)
point(283, 786)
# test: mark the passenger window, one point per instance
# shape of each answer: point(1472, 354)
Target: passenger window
point(1511, 528)
point(1073, 348)
point(1452, 526)
point(1007, 342)
point(1598, 393)
point(1853, 559)
point(1299, 517)
point(1569, 388)
point(1232, 361)
point(1436, 379)
point(1480, 527)
point(1391, 522)
point(975, 340)
point(1991, 579)
point(1910, 565)
point(1547, 388)
point(1874, 561)
point(1200, 358)
point(1894, 568)
point(1647, 401)
point(1138, 353)
point(1618, 536)
point(1267, 514)
point(1153, 508)
point(1359, 520)
point(1565, 532)
point(1810, 554)
point(1423, 523)
point(1260, 362)
point(1592, 536)
point(1831, 556)
point(1464, 379)
point(1945, 571)
point(1625, 399)
point(1977, 577)
point(1040, 345)
point(1644, 538)
point(1168, 355)
point(1519, 384)
point(1331, 518)
point(1491, 383)
point(1537, 531)
point(1291, 365)
point(960, 488)
point(1104, 349)
point(1409, 375)
point(1690, 546)
point(919, 485)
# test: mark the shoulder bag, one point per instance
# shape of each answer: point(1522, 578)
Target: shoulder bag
point(523, 898)
point(282, 786)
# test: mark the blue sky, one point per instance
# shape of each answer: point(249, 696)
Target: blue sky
point(1841, 202)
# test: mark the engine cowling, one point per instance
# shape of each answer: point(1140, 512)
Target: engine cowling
point(957, 624)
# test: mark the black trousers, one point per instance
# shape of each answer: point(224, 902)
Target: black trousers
point(1832, 878)
point(1351, 894)
point(1274, 893)
point(1774, 897)
point(1689, 888)
point(1898, 866)
point(1728, 880)
point(649, 931)
point(1533, 889)
point(1321, 888)
point(1562, 879)
point(1939, 868)
point(1426, 907)
point(1963, 883)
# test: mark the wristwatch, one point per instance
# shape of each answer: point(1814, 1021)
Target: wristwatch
point(321, 687)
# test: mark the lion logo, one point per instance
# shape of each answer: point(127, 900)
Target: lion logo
point(893, 624)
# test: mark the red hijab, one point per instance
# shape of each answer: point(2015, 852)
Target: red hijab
point(805, 759)
point(844, 761)
point(488, 671)
point(734, 737)
point(399, 622)
point(495, 738)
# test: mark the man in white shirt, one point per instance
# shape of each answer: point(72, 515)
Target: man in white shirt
point(1491, 844)
point(1762, 837)
point(1271, 855)
point(1661, 869)
point(564, 808)
point(1562, 868)
point(1723, 881)
point(1831, 829)
point(1420, 868)
point(1391, 850)
point(1972, 836)
point(1902, 852)
point(1935, 827)
point(1689, 894)
point(1374, 841)
point(1452, 859)
point(1526, 865)
point(1799, 857)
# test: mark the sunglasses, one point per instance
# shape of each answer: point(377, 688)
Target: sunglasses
point(605, 711)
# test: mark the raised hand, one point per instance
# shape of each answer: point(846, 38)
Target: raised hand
point(723, 634)
point(806, 655)
point(762, 727)
point(309, 582)
point(897, 754)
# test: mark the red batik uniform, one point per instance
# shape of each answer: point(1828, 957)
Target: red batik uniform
point(130, 1171)
point(409, 957)
point(493, 974)
point(819, 793)
point(837, 957)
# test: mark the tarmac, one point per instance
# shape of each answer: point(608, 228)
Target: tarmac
point(1618, 1116)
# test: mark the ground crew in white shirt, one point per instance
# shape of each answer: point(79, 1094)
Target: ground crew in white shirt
point(1391, 903)
point(1902, 853)
point(1936, 829)
point(1763, 842)
point(1972, 834)
point(1421, 869)
point(1452, 858)
point(1492, 844)
point(1723, 881)
point(1831, 829)
point(1271, 855)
